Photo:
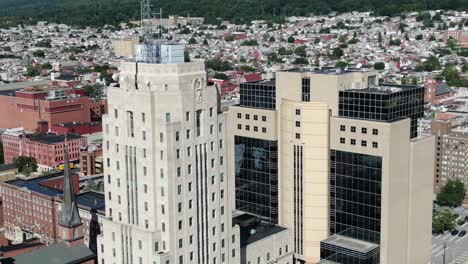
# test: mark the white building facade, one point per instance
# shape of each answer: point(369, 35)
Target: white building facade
point(165, 169)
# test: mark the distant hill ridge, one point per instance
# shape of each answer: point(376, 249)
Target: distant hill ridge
point(100, 12)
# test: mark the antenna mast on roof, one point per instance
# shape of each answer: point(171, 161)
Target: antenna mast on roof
point(150, 48)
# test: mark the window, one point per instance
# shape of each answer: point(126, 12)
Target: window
point(342, 140)
point(144, 135)
point(375, 144)
point(353, 141)
point(168, 117)
point(239, 115)
point(211, 129)
point(247, 127)
point(145, 188)
point(247, 116)
point(239, 126)
point(178, 153)
point(131, 128)
point(255, 117)
point(298, 136)
point(342, 128)
point(198, 123)
point(375, 131)
point(264, 129)
point(353, 129)
point(116, 114)
point(220, 143)
point(177, 135)
point(255, 128)
point(189, 169)
point(264, 118)
point(211, 111)
point(298, 124)
point(143, 118)
point(189, 152)
point(363, 143)
point(179, 172)
point(161, 137)
point(144, 153)
point(364, 130)
point(187, 116)
point(188, 133)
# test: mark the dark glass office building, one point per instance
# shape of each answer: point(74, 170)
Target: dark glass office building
point(256, 173)
point(355, 208)
point(384, 103)
point(261, 94)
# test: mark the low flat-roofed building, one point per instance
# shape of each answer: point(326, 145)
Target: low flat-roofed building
point(263, 242)
point(8, 172)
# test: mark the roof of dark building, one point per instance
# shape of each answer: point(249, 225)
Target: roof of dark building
point(91, 199)
point(58, 253)
point(36, 186)
point(384, 89)
point(253, 229)
point(442, 88)
point(52, 138)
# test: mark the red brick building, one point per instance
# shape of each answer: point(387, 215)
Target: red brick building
point(31, 208)
point(436, 92)
point(38, 108)
point(461, 36)
point(48, 150)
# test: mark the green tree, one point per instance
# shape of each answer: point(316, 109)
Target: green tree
point(379, 66)
point(25, 164)
point(205, 42)
point(221, 76)
point(31, 71)
point(291, 39)
point(301, 60)
point(419, 37)
point(300, 51)
point(442, 221)
point(283, 51)
point(451, 75)
point(341, 64)
point(431, 64)
point(395, 42)
point(95, 91)
point(218, 64)
point(192, 41)
point(452, 193)
point(452, 43)
point(250, 42)
point(337, 53)
point(465, 67)
point(38, 53)
point(72, 57)
point(316, 41)
point(247, 68)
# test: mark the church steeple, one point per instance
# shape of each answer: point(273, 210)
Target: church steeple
point(69, 216)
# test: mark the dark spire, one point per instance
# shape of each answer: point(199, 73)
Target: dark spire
point(69, 216)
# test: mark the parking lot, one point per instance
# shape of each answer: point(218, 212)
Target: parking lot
point(456, 248)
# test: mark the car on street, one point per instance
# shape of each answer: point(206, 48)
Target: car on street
point(466, 218)
point(462, 233)
point(455, 232)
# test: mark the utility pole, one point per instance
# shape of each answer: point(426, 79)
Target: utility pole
point(445, 245)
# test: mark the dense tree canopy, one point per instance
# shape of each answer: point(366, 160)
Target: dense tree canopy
point(452, 193)
point(25, 164)
point(99, 13)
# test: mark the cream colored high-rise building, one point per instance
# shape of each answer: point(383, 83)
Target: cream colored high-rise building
point(165, 166)
point(283, 140)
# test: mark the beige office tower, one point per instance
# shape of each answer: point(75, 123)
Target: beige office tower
point(165, 166)
point(285, 135)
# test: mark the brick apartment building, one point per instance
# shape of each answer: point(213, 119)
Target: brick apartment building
point(459, 35)
point(451, 152)
point(38, 108)
point(31, 208)
point(48, 149)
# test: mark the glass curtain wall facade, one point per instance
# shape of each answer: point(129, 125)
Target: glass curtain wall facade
point(261, 95)
point(256, 174)
point(386, 103)
point(355, 205)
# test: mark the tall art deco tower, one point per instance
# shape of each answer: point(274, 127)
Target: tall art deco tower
point(165, 166)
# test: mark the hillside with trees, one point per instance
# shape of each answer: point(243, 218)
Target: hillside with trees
point(101, 12)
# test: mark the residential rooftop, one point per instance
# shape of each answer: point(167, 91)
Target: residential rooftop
point(53, 139)
point(384, 89)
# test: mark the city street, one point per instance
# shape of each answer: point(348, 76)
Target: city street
point(456, 251)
